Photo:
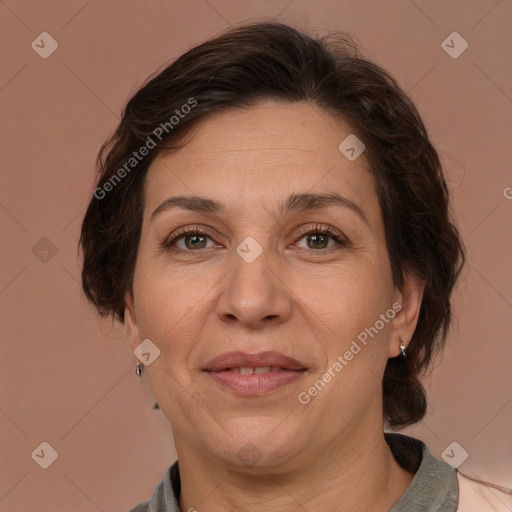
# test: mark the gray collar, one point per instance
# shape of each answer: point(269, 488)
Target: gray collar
point(433, 489)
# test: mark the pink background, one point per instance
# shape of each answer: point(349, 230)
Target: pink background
point(68, 379)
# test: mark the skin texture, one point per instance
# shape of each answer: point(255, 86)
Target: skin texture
point(305, 298)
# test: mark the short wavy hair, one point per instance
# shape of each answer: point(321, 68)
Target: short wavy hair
point(269, 60)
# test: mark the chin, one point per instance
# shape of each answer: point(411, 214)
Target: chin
point(259, 444)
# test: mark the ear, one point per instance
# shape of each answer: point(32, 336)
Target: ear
point(404, 323)
point(131, 329)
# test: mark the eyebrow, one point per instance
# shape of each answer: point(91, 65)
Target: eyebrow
point(295, 203)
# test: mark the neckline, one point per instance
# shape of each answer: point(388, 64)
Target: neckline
point(433, 488)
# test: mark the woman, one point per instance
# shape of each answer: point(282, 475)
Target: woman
point(272, 226)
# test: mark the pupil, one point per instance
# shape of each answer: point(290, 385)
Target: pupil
point(195, 237)
point(315, 237)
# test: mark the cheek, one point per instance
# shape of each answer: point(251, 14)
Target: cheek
point(172, 308)
point(171, 311)
point(347, 300)
point(353, 338)
point(346, 311)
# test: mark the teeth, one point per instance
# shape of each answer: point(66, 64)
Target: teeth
point(262, 369)
point(255, 370)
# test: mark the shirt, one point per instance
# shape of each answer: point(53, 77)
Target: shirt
point(436, 486)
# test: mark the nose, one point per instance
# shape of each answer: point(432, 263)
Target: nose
point(254, 295)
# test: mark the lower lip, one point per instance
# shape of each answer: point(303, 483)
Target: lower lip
point(255, 384)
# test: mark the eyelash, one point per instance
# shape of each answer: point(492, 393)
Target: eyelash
point(318, 229)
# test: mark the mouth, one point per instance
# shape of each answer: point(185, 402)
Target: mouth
point(247, 374)
point(258, 370)
point(244, 360)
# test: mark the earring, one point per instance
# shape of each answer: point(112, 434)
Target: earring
point(402, 347)
point(138, 369)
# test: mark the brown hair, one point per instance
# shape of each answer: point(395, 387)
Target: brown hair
point(269, 60)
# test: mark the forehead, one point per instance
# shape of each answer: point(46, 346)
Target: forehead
point(260, 154)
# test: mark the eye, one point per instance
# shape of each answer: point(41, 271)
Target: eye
point(195, 239)
point(320, 236)
point(192, 238)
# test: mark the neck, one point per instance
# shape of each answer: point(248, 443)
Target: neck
point(357, 475)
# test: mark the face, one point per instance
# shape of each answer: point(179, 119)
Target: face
point(260, 267)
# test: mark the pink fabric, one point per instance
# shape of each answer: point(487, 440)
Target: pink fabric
point(475, 497)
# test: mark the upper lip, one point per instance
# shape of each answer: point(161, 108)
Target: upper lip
point(238, 359)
